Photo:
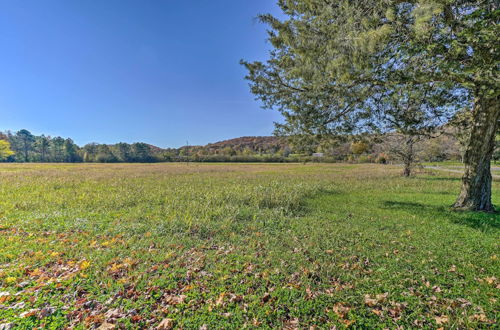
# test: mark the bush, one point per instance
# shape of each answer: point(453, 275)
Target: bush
point(381, 159)
point(363, 159)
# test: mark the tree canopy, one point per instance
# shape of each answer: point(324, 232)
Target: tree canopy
point(340, 67)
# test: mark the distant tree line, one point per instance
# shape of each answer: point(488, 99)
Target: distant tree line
point(23, 146)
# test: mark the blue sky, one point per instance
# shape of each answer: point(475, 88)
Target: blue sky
point(156, 71)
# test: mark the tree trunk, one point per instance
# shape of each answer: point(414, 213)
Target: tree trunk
point(476, 182)
point(409, 156)
point(407, 171)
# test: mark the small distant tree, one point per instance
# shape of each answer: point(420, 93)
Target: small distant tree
point(141, 152)
point(408, 116)
point(5, 151)
point(90, 152)
point(104, 154)
point(42, 145)
point(359, 147)
point(228, 151)
point(460, 128)
point(57, 148)
point(71, 151)
point(123, 151)
point(25, 142)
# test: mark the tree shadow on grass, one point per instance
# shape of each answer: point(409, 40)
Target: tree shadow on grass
point(478, 220)
point(440, 178)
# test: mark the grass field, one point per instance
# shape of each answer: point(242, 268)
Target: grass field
point(235, 246)
point(457, 166)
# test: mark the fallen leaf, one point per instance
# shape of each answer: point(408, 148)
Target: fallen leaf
point(341, 310)
point(220, 300)
point(370, 301)
point(291, 324)
point(106, 326)
point(480, 317)
point(441, 319)
point(175, 300)
point(136, 318)
point(31, 312)
point(165, 324)
point(113, 314)
point(4, 296)
point(84, 264)
point(379, 298)
point(47, 311)
point(36, 272)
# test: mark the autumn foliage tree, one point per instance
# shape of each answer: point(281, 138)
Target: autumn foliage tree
point(333, 60)
point(5, 151)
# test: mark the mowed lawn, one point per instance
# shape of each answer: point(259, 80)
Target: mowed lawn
point(242, 246)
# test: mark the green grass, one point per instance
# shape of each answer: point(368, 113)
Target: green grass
point(243, 245)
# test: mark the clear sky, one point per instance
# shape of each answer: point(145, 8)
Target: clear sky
point(156, 71)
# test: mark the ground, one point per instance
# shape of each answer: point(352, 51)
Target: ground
point(234, 246)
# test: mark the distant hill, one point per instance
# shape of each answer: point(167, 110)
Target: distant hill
point(245, 145)
point(251, 142)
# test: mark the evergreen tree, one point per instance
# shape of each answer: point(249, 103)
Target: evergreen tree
point(24, 142)
point(122, 152)
point(42, 144)
point(70, 151)
point(141, 152)
point(332, 60)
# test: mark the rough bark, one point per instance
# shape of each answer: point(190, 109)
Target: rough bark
point(475, 194)
point(407, 170)
point(408, 156)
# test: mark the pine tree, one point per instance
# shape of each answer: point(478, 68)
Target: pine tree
point(332, 60)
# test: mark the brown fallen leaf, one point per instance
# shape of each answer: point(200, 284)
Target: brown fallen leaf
point(166, 324)
point(341, 310)
point(113, 314)
point(136, 318)
point(4, 296)
point(379, 298)
point(441, 319)
point(256, 322)
point(292, 324)
point(29, 313)
point(175, 300)
point(106, 326)
point(370, 301)
point(266, 297)
point(436, 289)
point(220, 300)
point(479, 317)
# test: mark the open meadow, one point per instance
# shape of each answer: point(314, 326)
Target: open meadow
point(242, 246)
